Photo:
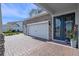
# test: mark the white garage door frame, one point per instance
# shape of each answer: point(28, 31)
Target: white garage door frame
point(37, 23)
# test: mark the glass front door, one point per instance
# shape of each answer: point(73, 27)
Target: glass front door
point(62, 25)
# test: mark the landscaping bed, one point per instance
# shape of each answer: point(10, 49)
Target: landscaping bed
point(9, 33)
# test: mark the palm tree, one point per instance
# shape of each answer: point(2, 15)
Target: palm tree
point(34, 12)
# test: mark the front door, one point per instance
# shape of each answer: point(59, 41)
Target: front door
point(62, 25)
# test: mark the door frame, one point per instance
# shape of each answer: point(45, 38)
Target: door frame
point(64, 24)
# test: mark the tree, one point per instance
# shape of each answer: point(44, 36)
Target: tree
point(34, 12)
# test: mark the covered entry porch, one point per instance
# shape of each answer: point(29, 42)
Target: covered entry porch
point(64, 26)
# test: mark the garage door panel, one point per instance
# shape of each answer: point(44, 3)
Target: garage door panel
point(39, 30)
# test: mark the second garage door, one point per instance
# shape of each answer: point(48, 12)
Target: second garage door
point(38, 29)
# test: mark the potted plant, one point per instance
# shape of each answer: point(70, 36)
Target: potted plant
point(73, 39)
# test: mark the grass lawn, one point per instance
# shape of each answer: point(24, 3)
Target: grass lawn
point(9, 33)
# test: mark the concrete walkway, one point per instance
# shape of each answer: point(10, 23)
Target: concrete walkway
point(22, 45)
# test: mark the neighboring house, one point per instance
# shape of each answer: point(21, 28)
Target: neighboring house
point(4, 28)
point(17, 26)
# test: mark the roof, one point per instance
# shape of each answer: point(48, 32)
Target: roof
point(14, 22)
point(42, 17)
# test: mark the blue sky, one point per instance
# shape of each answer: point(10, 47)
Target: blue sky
point(16, 12)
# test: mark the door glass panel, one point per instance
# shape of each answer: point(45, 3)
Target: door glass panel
point(58, 24)
point(68, 28)
point(68, 25)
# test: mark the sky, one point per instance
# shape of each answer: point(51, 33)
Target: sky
point(16, 11)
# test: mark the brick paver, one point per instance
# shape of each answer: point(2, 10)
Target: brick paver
point(22, 45)
point(54, 49)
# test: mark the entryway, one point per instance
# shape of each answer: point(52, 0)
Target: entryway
point(63, 25)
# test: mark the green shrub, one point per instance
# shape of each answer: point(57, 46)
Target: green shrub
point(13, 30)
point(9, 33)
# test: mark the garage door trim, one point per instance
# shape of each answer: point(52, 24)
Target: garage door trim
point(43, 22)
point(37, 23)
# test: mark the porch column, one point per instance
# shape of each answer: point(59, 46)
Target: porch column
point(52, 27)
point(50, 30)
point(1, 36)
point(77, 21)
point(0, 20)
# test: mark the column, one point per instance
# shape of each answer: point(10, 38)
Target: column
point(1, 36)
point(0, 20)
point(50, 28)
point(77, 21)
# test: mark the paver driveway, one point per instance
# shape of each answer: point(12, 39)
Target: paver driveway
point(22, 45)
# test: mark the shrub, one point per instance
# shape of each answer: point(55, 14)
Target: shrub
point(13, 30)
point(8, 31)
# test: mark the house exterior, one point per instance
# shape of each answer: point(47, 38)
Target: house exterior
point(61, 21)
point(65, 19)
point(56, 25)
point(38, 26)
point(17, 26)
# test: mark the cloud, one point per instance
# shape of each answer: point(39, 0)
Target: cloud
point(8, 11)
